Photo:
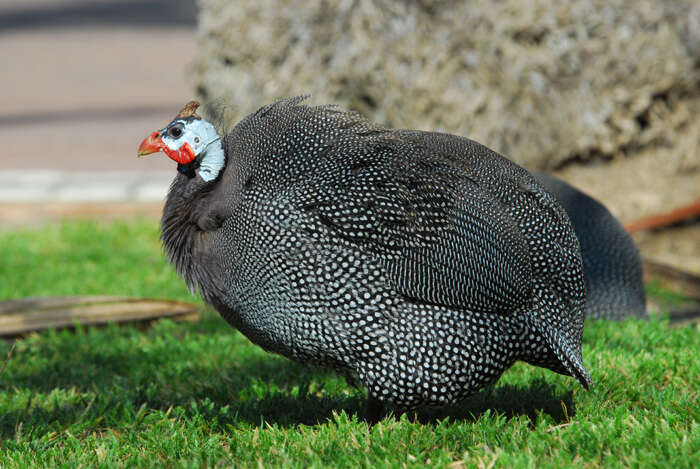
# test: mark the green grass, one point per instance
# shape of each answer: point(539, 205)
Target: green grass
point(194, 394)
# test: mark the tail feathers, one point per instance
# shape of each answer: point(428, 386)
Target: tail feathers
point(611, 261)
point(568, 351)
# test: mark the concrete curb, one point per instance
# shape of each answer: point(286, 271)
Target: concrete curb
point(31, 186)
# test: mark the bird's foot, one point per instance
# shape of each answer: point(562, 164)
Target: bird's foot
point(373, 411)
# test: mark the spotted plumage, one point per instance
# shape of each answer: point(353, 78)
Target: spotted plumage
point(422, 264)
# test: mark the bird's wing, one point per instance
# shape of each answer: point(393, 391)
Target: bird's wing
point(440, 237)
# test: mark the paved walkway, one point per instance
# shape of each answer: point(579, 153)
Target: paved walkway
point(32, 186)
point(82, 84)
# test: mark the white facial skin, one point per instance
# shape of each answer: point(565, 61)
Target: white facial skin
point(202, 138)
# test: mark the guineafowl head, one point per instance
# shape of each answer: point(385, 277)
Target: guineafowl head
point(190, 141)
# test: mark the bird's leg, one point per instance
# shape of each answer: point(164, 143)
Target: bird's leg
point(372, 411)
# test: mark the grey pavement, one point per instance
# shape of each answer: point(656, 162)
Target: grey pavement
point(82, 84)
point(21, 186)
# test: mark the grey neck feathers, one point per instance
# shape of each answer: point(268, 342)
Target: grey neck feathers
point(184, 208)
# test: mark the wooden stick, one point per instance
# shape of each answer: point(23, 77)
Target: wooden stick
point(661, 220)
point(26, 315)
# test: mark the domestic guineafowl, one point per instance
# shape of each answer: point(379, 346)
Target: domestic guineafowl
point(611, 261)
point(421, 264)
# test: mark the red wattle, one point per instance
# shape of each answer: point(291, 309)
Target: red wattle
point(183, 155)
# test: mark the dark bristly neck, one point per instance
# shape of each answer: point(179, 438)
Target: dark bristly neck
point(186, 169)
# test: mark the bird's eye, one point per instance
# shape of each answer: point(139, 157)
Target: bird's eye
point(175, 131)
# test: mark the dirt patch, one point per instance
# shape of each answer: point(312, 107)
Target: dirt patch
point(647, 181)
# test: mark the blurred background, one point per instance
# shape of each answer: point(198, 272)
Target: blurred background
point(82, 83)
point(604, 94)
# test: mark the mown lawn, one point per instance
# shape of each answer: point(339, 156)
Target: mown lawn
point(195, 394)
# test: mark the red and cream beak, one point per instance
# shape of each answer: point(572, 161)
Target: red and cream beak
point(152, 144)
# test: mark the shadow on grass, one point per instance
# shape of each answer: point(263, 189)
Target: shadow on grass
point(537, 397)
point(258, 389)
point(98, 390)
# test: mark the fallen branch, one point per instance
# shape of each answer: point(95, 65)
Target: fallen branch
point(18, 317)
